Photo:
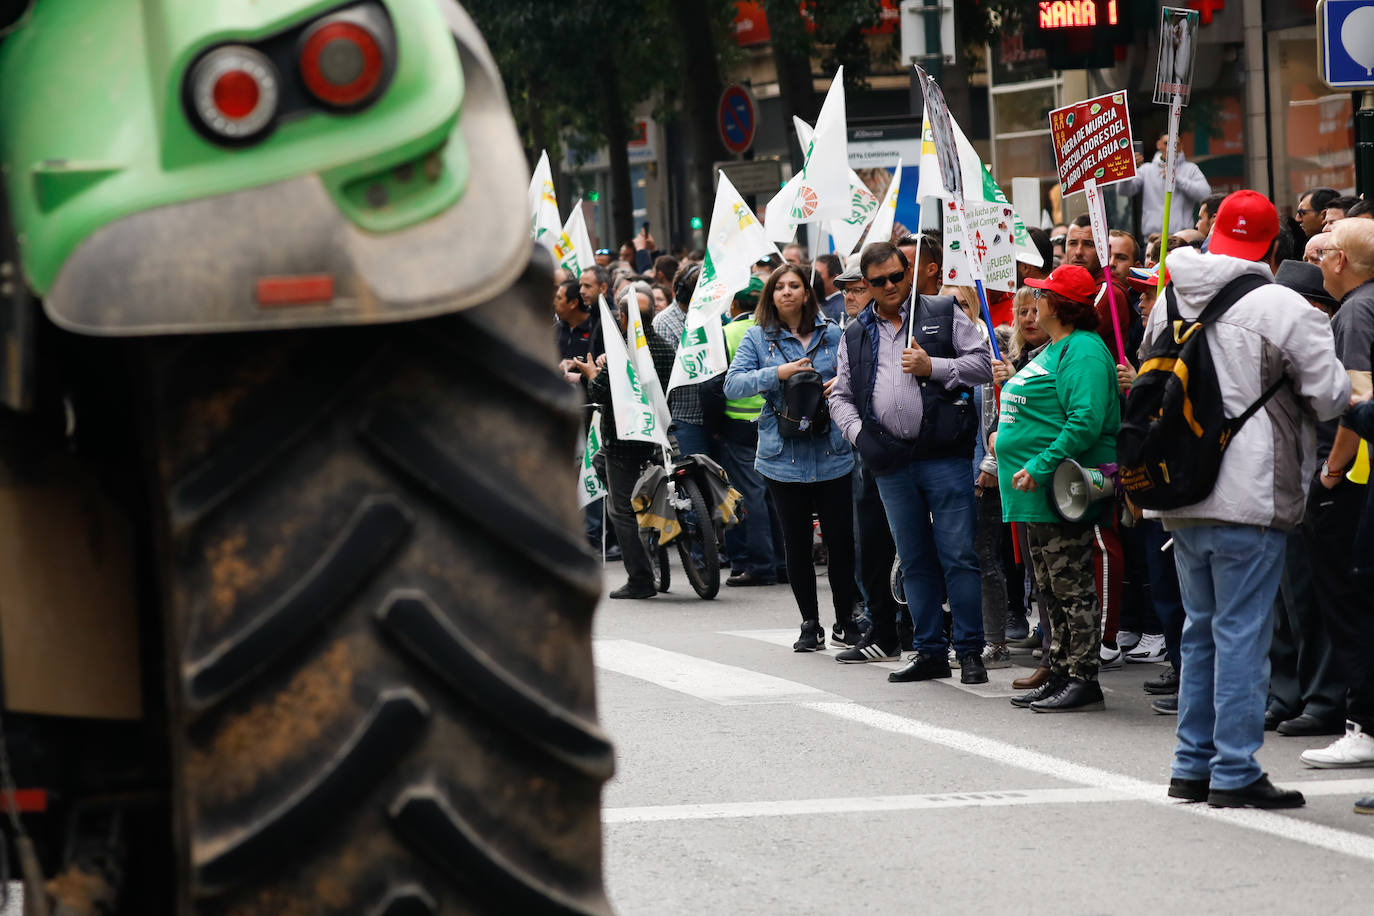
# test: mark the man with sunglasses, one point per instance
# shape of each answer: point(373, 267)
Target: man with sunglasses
point(903, 397)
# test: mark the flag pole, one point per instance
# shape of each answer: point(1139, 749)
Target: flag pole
point(1175, 104)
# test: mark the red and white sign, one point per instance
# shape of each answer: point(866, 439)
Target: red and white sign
point(1092, 139)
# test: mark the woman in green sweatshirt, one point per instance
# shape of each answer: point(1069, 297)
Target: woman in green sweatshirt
point(1062, 404)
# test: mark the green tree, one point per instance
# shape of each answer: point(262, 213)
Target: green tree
point(576, 71)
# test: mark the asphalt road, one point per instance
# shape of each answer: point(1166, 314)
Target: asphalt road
point(751, 779)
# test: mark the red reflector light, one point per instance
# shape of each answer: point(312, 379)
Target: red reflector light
point(298, 290)
point(342, 63)
point(236, 94)
point(27, 801)
point(234, 90)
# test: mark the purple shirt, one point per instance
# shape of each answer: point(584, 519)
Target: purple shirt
point(897, 403)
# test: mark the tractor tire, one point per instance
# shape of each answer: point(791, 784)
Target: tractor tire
point(378, 607)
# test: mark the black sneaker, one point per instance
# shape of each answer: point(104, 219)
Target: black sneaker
point(920, 667)
point(1047, 689)
point(1365, 805)
point(971, 669)
point(1165, 684)
point(870, 648)
point(812, 637)
point(1018, 627)
point(1165, 706)
point(634, 591)
point(1077, 695)
point(1259, 794)
point(844, 635)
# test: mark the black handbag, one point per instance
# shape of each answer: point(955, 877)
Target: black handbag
point(804, 412)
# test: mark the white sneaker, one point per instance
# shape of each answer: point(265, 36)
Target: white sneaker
point(1110, 658)
point(1149, 650)
point(996, 657)
point(1126, 640)
point(1353, 749)
point(953, 658)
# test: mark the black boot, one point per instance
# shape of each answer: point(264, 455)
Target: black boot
point(1259, 794)
point(1077, 695)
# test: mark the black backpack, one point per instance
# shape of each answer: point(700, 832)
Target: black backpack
point(1174, 429)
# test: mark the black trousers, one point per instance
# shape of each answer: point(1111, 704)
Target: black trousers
point(621, 476)
point(1345, 603)
point(876, 553)
point(1303, 676)
point(832, 501)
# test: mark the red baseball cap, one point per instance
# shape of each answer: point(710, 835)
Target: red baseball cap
point(1070, 281)
point(1245, 226)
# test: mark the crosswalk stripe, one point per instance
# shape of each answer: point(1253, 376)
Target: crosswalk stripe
point(698, 677)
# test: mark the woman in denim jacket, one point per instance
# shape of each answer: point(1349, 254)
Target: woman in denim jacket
point(802, 474)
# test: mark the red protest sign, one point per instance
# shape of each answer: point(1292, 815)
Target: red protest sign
point(1092, 139)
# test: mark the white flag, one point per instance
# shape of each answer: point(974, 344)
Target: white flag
point(863, 204)
point(635, 419)
point(734, 242)
point(643, 360)
point(886, 217)
point(589, 486)
point(580, 255)
point(820, 191)
point(977, 182)
point(543, 206)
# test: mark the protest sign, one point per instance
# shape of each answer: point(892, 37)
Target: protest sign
point(1177, 39)
point(990, 241)
point(1092, 139)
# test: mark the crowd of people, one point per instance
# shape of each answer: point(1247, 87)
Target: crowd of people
point(932, 452)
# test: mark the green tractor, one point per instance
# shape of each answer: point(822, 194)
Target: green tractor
point(295, 610)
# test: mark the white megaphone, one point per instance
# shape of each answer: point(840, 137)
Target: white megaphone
point(1076, 488)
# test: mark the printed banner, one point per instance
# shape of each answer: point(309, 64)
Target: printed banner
point(1092, 139)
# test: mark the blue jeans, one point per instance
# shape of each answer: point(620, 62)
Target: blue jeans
point(750, 543)
point(1228, 576)
point(930, 511)
point(692, 438)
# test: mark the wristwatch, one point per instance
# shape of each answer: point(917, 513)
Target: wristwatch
point(1326, 472)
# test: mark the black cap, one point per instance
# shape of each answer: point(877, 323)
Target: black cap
point(1304, 279)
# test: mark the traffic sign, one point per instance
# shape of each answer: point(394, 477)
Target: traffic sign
point(1345, 43)
point(737, 118)
point(753, 176)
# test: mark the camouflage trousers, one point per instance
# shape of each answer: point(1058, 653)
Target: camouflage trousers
point(1062, 560)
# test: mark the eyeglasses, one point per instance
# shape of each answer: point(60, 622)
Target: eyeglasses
point(1040, 293)
point(1322, 253)
point(1303, 211)
point(893, 278)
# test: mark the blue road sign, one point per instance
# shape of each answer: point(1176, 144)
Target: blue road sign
point(1345, 43)
point(737, 119)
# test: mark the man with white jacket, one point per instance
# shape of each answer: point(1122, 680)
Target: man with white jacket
point(1229, 547)
point(1190, 189)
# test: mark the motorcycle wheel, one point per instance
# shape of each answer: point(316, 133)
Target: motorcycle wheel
point(698, 539)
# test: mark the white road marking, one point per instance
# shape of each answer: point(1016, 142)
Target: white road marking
point(999, 679)
point(889, 804)
point(1272, 823)
point(727, 685)
point(878, 804)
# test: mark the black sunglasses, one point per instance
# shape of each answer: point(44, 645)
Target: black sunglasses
point(893, 278)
